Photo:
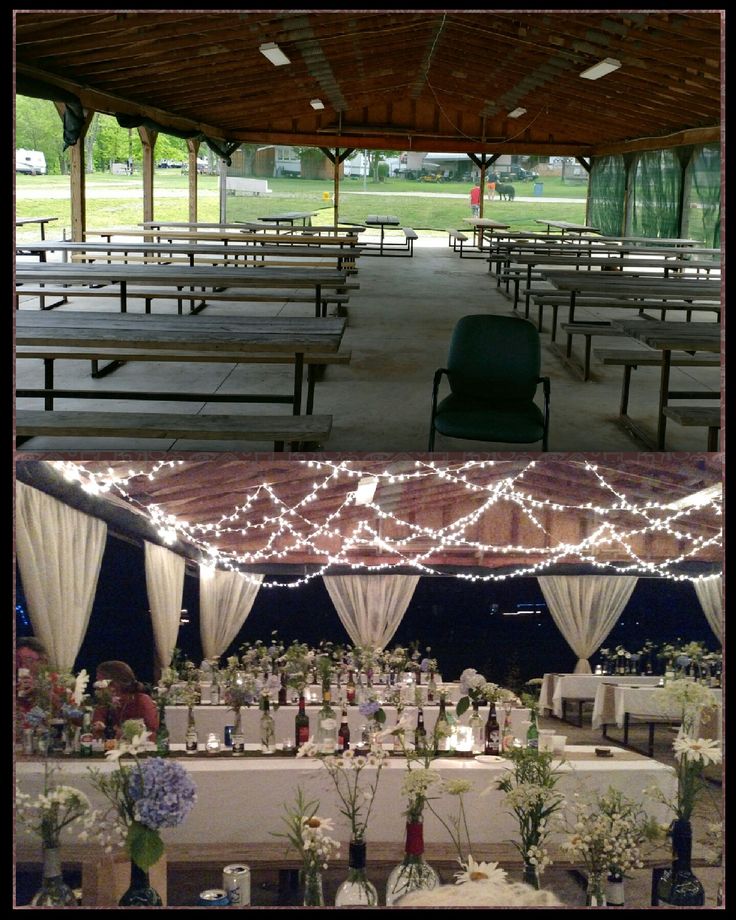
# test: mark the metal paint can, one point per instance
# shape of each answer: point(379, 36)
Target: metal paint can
point(236, 882)
point(213, 897)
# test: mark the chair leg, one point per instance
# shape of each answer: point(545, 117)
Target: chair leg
point(430, 447)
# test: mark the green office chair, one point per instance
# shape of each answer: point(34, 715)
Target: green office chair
point(493, 372)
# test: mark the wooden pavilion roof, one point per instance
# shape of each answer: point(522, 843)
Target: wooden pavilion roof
point(415, 505)
point(426, 81)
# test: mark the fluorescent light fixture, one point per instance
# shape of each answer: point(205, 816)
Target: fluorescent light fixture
point(698, 499)
point(366, 490)
point(608, 65)
point(275, 55)
point(316, 103)
point(517, 113)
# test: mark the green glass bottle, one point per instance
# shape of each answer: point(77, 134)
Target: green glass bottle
point(532, 733)
point(163, 740)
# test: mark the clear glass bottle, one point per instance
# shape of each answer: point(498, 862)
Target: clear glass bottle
point(442, 727)
point(268, 728)
point(327, 735)
point(413, 872)
point(301, 724)
point(507, 733)
point(54, 891)
point(476, 724)
point(356, 890)
point(615, 890)
point(215, 690)
point(312, 891)
point(191, 738)
point(237, 737)
point(595, 895)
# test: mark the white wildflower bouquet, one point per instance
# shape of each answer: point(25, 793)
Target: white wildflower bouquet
point(307, 834)
point(53, 810)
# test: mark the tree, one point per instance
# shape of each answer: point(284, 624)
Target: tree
point(39, 127)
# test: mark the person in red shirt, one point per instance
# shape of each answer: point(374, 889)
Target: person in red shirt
point(475, 200)
point(128, 699)
point(30, 657)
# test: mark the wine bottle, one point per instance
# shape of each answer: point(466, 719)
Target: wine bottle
point(442, 727)
point(343, 735)
point(301, 724)
point(420, 732)
point(492, 732)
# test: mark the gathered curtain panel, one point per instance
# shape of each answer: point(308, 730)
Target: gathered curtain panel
point(59, 553)
point(165, 587)
point(225, 600)
point(710, 595)
point(371, 607)
point(585, 609)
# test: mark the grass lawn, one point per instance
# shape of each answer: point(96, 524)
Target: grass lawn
point(114, 201)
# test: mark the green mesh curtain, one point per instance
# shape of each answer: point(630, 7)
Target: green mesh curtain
point(655, 198)
point(607, 187)
point(703, 214)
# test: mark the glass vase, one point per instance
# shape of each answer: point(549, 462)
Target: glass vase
point(238, 739)
point(140, 893)
point(615, 890)
point(356, 890)
point(595, 895)
point(312, 888)
point(677, 885)
point(413, 872)
point(54, 891)
point(531, 876)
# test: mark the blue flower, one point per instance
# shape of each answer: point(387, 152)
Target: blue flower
point(369, 709)
point(35, 717)
point(424, 666)
point(163, 793)
point(71, 712)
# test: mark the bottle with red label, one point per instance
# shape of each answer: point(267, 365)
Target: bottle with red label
point(301, 724)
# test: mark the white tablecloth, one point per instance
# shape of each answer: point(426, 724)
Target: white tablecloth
point(557, 687)
point(215, 718)
point(242, 800)
point(649, 704)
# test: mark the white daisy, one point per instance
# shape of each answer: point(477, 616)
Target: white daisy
point(704, 749)
point(479, 872)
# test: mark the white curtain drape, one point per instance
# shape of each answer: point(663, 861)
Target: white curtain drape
point(710, 595)
point(59, 553)
point(225, 600)
point(165, 587)
point(371, 607)
point(585, 609)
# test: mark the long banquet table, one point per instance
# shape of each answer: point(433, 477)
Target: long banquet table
point(620, 704)
point(215, 718)
point(241, 799)
point(558, 688)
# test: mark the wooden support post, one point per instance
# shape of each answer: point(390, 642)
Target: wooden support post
point(148, 139)
point(336, 192)
point(77, 178)
point(193, 148)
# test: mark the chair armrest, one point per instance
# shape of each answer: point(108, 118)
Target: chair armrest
point(436, 385)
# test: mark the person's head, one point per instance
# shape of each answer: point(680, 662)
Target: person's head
point(121, 676)
point(30, 653)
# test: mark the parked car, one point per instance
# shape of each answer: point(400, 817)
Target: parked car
point(517, 174)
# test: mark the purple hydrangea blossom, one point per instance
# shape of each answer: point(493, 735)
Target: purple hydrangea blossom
point(424, 666)
point(163, 793)
point(369, 708)
point(71, 712)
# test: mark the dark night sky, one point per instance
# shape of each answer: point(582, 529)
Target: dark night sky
point(450, 615)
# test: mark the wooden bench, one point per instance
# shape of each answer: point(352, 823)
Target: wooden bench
point(180, 296)
point(698, 417)
point(410, 236)
point(588, 330)
point(315, 363)
point(234, 184)
point(456, 239)
point(294, 429)
point(631, 358)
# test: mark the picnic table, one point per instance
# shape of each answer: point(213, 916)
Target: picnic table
point(181, 276)
point(382, 221)
point(145, 333)
point(223, 236)
point(668, 337)
point(213, 252)
point(289, 217)
point(42, 221)
point(565, 226)
point(481, 224)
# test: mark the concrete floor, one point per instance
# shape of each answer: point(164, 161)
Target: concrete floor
point(399, 326)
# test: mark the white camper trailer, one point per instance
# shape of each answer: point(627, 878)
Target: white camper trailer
point(30, 162)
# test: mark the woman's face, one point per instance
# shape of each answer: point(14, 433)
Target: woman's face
point(28, 658)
